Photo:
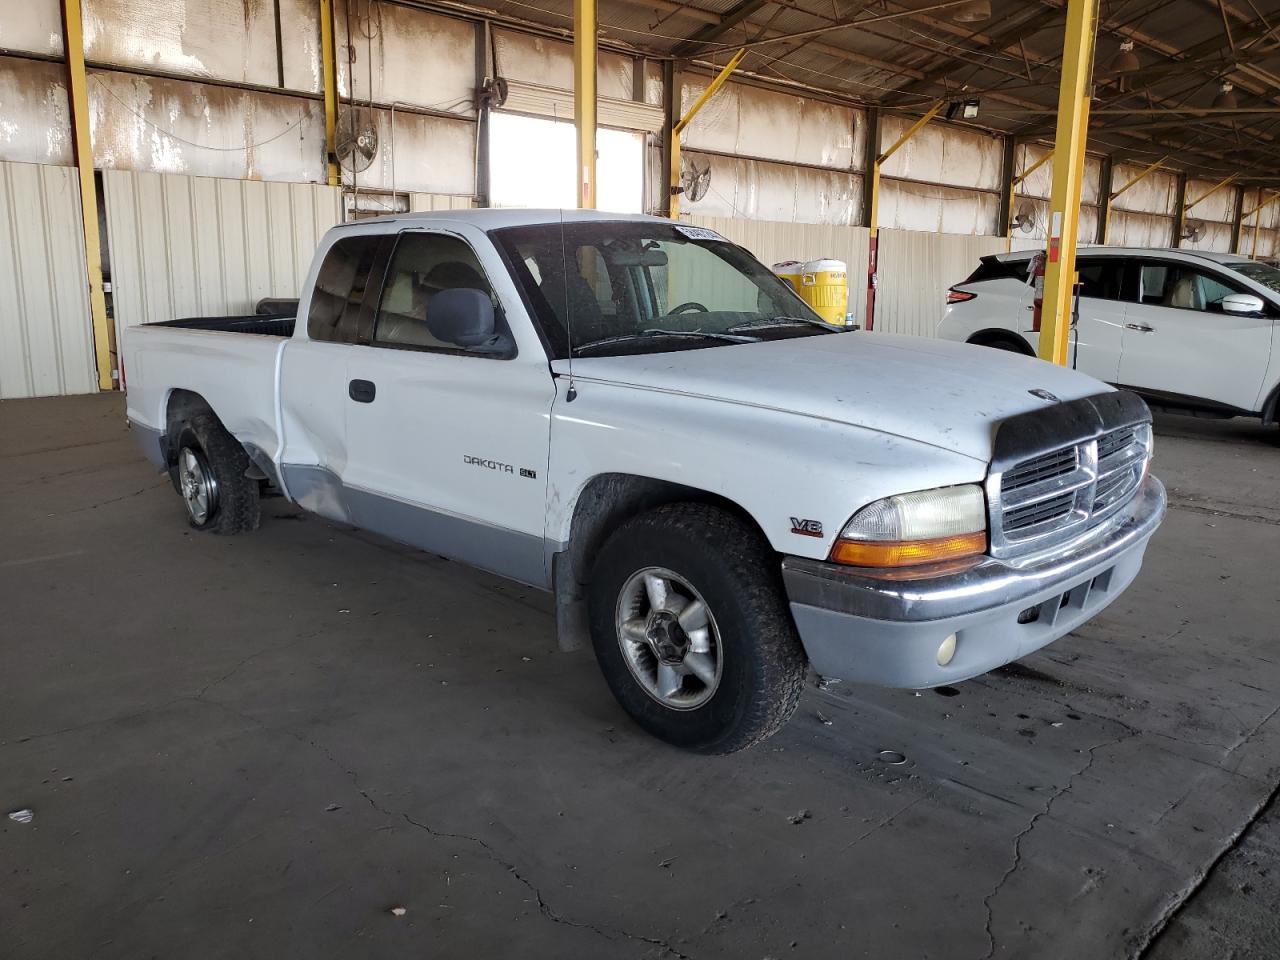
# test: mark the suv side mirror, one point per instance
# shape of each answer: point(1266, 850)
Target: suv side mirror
point(1242, 303)
point(462, 317)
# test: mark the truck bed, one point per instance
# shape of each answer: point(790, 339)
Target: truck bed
point(278, 325)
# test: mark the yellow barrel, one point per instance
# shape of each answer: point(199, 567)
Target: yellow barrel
point(822, 284)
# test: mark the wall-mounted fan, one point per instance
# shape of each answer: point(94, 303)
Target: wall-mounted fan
point(1193, 230)
point(1025, 219)
point(357, 138)
point(695, 178)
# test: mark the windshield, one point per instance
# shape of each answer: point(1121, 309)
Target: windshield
point(620, 287)
point(1262, 273)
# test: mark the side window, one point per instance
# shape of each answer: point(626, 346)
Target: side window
point(1155, 283)
point(339, 290)
point(423, 265)
point(1184, 287)
point(1101, 277)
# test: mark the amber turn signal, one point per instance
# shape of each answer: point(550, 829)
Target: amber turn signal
point(907, 553)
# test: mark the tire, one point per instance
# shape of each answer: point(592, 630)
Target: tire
point(1007, 345)
point(757, 665)
point(209, 474)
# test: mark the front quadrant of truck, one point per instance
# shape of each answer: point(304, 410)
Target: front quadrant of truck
point(720, 489)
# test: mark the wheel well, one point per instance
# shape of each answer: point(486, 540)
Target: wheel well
point(181, 406)
point(607, 501)
point(994, 335)
point(1271, 409)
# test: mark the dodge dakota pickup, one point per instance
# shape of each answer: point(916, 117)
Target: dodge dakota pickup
point(719, 489)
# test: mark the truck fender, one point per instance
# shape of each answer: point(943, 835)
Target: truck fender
point(600, 506)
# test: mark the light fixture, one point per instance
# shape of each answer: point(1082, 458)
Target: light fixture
point(970, 109)
point(1125, 60)
point(972, 11)
point(1226, 98)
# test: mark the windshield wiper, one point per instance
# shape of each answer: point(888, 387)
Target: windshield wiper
point(785, 321)
point(648, 334)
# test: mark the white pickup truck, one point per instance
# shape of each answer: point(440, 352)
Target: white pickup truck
point(637, 415)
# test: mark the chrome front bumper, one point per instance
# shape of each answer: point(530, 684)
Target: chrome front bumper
point(888, 632)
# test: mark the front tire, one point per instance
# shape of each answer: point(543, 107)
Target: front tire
point(209, 474)
point(691, 629)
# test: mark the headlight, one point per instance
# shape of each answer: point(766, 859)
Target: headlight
point(916, 528)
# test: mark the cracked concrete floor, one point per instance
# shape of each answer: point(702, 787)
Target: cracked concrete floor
point(257, 746)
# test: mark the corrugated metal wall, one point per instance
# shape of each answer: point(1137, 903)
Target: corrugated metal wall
point(775, 242)
point(46, 343)
point(421, 202)
point(914, 272)
point(199, 246)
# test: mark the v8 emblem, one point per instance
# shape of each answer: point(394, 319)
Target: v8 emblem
point(806, 528)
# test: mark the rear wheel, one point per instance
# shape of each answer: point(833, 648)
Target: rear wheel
point(691, 629)
point(209, 474)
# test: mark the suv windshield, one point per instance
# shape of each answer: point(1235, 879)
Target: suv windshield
point(621, 287)
point(1262, 273)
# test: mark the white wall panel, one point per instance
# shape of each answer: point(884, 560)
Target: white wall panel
point(1139, 230)
point(914, 271)
point(407, 56)
point(199, 246)
point(1157, 192)
point(224, 39)
point(522, 56)
point(774, 242)
point(1219, 207)
point(921, 206)
point(33, 26)
point(420, 202)
point(46, 340)
point(747, 121)
point(35, 122)
point(758, 190)
point(942, 153)
point(176, 126)
point(423, 153)
point(1040, 182)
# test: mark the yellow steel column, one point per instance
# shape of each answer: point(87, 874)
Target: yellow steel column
point(678, 128)
point(329, 63)
point(104, 347)
point(584, 98)
point(873, 214)
point(1013, 195)
point(1068, 173)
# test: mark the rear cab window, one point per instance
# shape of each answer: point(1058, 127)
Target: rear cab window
point(336, 301)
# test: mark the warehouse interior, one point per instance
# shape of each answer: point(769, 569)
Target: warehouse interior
point(315, 742)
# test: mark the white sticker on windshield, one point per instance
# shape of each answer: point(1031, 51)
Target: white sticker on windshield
point(699, 233)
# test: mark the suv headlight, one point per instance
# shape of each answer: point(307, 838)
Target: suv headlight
point(916, 528)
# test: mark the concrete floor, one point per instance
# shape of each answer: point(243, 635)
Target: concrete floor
point(258, 746)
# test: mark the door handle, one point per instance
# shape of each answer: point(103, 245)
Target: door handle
point(1140, 327)
point(362, 391)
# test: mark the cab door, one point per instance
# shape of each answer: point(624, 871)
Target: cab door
point(1179, 344)
point(448, 445)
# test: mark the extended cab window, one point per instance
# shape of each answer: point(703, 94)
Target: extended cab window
point(339, 291)
point(423, 265)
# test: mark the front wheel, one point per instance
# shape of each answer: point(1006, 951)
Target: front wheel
point(691, 629)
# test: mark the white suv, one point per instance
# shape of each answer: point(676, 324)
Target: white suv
point(1188, 330)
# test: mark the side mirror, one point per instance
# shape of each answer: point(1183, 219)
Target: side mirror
point(462, 317)
point(1242, 303)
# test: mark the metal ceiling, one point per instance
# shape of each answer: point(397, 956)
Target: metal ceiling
point(906, 55)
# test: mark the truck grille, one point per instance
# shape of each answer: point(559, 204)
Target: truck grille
point(1055, 496)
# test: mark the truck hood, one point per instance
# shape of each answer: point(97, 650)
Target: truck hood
point(950, 395)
